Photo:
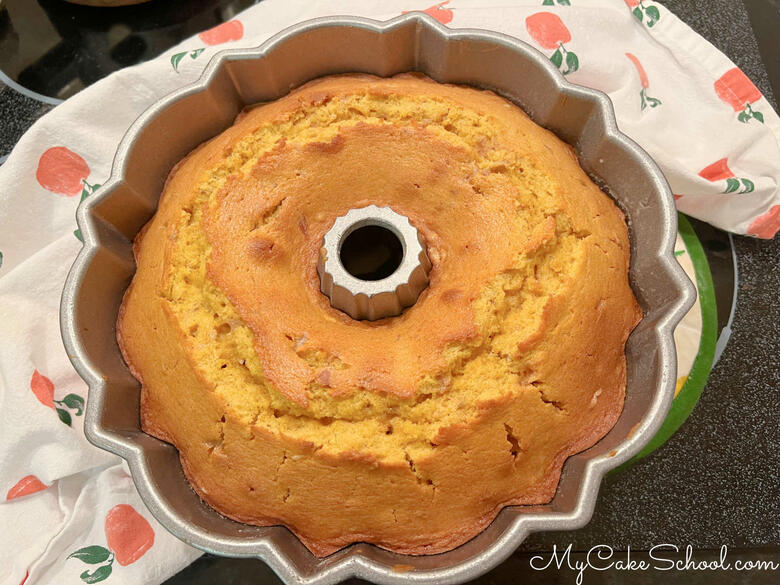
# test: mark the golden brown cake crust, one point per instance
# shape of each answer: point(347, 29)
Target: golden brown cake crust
point(411, 432)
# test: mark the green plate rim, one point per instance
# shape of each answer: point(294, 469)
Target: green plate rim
point(691, 391)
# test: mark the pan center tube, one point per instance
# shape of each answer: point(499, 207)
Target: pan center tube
point(373, 263)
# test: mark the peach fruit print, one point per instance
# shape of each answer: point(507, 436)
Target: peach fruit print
point(443, 15)
point(43, 389)
point(29, 484)
point(128, 536)
point(548, 30)
point(646, 14)
point(767, 225)
point(227, 31)
point(646, 100)
point(719, 170)
point(62, 171)
point(232, 30)
point(736, 89)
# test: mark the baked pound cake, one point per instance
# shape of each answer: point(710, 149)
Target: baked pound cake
point(410, 432)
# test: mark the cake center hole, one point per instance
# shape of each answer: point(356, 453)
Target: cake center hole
point(371, 252)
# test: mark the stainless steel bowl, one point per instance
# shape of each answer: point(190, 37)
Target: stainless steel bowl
point(414, 42)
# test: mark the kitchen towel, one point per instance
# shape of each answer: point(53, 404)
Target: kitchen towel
point(69, 511)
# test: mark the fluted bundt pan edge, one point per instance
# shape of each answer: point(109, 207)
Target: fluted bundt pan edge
point(235, 78)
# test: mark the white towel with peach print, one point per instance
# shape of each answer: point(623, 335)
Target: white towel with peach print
point(69, 511)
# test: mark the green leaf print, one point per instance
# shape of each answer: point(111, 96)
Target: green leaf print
point(557, 58)
point(176, 59)
point(638, 13)
point(743, 117)
point(564, 3)
point(748, 186)
point(64, 416)
point(1, 259)
point(92, 555)
point(70, 402)
point(97, 575)
point(88, 189)
point(572, 63)
point(548, 3)
point(85, 192)
point(649, 101)
point(196, 53)
point(678, 253)
point(759, 116)
point(732, 185)
point(653, 15)
point(75, 402)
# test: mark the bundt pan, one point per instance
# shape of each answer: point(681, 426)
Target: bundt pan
point(235, 78)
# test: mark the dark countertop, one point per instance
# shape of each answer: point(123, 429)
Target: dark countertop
point(717, 480)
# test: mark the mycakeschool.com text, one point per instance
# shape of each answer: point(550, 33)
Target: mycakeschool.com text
point(661, 557)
